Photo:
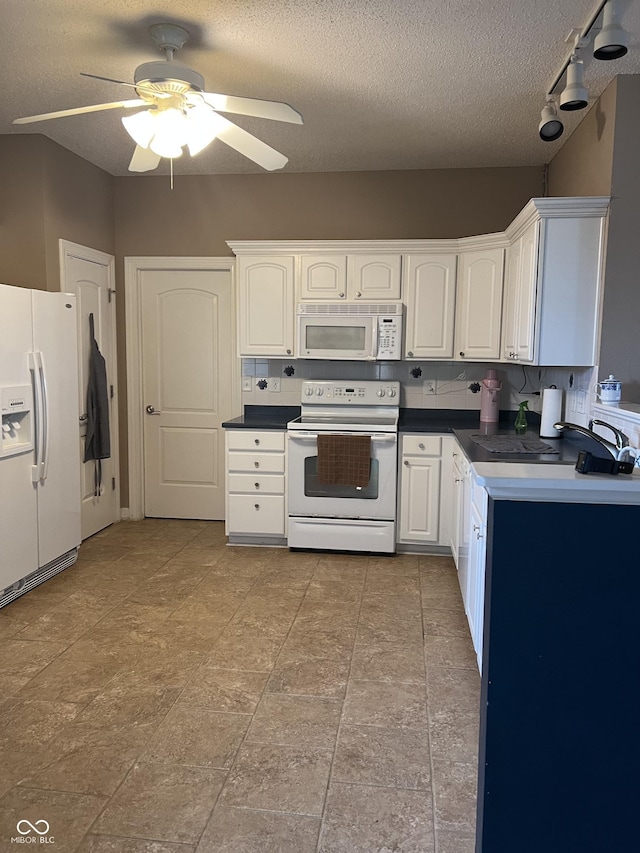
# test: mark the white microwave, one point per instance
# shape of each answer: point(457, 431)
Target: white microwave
point(344, 330)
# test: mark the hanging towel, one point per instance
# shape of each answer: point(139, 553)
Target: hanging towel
point(344, 460)
point(97, 443)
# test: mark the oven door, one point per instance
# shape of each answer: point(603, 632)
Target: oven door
point(308, 497)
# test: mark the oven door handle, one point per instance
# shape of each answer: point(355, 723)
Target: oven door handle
point(312, 436)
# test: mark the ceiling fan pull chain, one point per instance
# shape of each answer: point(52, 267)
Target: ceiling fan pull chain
point(171, 161)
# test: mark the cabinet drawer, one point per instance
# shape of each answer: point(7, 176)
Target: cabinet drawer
point(239, 439)
point(421, 445)
point(253, 514)
point(257, 484)
point(265, 463)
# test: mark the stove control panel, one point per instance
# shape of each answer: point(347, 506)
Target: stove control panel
point(358, 393)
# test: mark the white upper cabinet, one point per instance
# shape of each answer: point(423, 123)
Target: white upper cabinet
point(362, 277)
point(430, 296)
point(479, 310)
point(266, 307)
point(552, 300)
point(374, 278)
point(519, 314)
point(323, 277)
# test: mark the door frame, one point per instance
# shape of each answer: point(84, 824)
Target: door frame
point(66, 250)
point(133, 269)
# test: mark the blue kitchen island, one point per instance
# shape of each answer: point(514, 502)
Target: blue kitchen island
point(560, 704)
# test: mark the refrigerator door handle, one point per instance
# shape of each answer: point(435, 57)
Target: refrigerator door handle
point(45, 421)
point(34, 365)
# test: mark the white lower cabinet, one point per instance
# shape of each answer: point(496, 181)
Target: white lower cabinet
point(474, 605)
point(256, 485)
point(469, 543)
point(423, 508)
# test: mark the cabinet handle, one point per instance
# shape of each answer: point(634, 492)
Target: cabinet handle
point(457, 480)
point(410, 354)
point(476, 527)
point(256, 464)
point(257, 485)
point(406, 462)
point(358, 294)
point(256, 441)
point(341, 295)
point(288, 352)
point(421, 446)
point(462, 354)
point(257, 506)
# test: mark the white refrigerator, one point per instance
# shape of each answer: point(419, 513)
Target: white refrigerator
point(39, 443)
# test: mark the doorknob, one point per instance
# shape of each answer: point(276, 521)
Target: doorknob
point(83, 419)
point(151, 411)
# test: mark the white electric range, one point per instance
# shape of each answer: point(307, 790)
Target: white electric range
point(344, 517)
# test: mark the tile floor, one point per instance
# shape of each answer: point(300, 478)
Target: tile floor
point(172, 694)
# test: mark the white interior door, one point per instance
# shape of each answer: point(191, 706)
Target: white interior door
point(187, 365)
point(89, 274)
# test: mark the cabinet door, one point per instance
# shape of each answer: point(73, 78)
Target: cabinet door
point(266, 309)
point(419, 499)
point(323, 277)
point(510, 301)
point(474, 606)
point(374, 278)
point(525, 316)
point(479, 314)
point(430, 293)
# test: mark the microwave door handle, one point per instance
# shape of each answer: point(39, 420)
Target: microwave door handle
point(374, 340)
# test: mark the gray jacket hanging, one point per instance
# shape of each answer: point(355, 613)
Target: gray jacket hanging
point(98, 442)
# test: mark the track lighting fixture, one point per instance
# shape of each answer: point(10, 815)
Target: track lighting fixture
point(575, 95)
point(611, 41)
point(551, 126)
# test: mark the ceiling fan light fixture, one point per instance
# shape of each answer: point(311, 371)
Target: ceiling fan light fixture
point(575, 95)
point(551, 126)
point(612, 41)
point(170, 133)
point(204, 126)
point(140, 127)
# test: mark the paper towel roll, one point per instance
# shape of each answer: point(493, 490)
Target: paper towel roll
point(551, 412)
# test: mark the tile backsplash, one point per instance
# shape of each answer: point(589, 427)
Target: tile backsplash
point(424, 385)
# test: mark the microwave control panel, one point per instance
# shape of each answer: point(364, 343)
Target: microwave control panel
point(389, 337)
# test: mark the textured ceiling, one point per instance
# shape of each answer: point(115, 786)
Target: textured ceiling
point(411, 84)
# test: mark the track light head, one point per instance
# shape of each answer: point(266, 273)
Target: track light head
point(551, 126)
point(575, 95)
point(611, 41)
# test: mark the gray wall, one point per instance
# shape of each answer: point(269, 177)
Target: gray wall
point(48, 193)
point(601, 158)
point(620, 346)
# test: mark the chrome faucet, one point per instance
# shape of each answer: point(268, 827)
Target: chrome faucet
point(622, 440)
point(608, 445)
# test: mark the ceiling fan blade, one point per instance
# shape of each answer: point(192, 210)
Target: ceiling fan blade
point(94, 108)
point(275, 110)
point(252, 147)
point(107, 79)
point(144, 160)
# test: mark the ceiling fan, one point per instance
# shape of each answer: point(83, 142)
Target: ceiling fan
point(179, 113)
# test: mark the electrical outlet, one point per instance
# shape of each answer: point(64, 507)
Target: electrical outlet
point(247, 383)
point(273, 383)
point(581, 402)
point(429, 386)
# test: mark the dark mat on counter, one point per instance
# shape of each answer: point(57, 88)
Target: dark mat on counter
point(512, 444)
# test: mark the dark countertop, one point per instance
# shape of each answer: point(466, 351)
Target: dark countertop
point(411, 420)
point(264, 417)
point(567, 450)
